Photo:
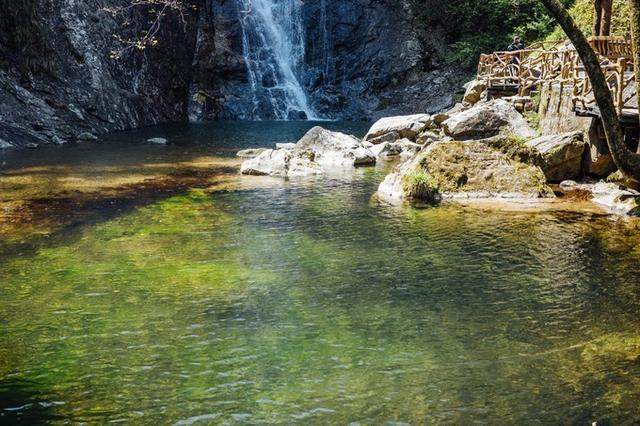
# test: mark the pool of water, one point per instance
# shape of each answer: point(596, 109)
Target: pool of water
point(306, 301)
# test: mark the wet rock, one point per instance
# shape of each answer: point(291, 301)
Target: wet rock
point(269, 163)
point(251, 152)
point(474, 91)
point(463, 170)
point(86, 136)
point(158, 141)
point(488, 119)
point(297, 115)
point(406, 126)
point(5, 145)
point(32, 145)
point(562, 155)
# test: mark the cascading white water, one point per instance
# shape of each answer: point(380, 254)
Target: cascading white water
point(274, 50)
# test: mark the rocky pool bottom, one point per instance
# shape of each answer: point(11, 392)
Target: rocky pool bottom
point(169, 288)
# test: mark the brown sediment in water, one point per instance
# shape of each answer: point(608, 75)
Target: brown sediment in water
point(37, 201)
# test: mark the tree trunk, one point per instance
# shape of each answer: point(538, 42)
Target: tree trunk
point(605, 17)
point(597, 17)
point(628, 162)
point(634, 6)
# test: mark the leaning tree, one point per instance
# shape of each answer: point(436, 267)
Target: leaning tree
point(628, 162)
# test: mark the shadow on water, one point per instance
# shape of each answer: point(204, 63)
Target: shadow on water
point(23, 402)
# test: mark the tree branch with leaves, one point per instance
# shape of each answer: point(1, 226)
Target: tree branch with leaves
point(156, 11)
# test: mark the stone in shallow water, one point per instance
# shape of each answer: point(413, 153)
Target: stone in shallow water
point(319, 150)
point(456, 170)
point(158, 141)
point(269, 163)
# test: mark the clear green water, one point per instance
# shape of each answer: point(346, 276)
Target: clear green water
point(306, 302)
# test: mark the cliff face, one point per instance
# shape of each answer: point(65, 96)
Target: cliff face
point(58, 82)
point(360, 59)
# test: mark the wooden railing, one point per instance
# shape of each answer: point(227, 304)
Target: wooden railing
point(525, 70)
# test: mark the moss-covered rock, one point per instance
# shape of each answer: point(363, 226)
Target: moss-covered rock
point(472, 169)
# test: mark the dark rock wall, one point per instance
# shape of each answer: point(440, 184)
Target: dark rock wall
point(364, 59)
point(58, 82)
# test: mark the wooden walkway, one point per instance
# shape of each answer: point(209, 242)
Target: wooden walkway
point(523, 72)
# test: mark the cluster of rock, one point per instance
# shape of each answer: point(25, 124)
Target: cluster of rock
point(482, 151)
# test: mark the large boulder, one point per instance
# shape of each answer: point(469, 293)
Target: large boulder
point(463, 170)
point(318, 151)
point(251, 152)
point(405, 126)
point(488, 119)
point(561, 155)
point(474, 91)
point(328, 149)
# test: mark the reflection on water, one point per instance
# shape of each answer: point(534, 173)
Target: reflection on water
point(306, 302)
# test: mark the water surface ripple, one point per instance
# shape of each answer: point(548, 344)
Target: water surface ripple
point(305, 301)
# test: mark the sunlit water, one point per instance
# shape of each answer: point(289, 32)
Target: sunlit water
point(304, 301)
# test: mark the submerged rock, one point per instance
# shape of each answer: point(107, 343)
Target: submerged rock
point(455, 170)
point(251, 152)
point(561, 155)
point(406, 126)
point(318, 151)
point(488, 119)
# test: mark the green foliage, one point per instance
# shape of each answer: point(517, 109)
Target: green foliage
point(583, 13)
point(473, 27)
point(420, 185)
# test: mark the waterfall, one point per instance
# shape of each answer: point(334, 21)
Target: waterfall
point(273, 38)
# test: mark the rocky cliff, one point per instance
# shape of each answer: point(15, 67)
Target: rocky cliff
point(58, 82)
point(362, 59)
point(359, 59)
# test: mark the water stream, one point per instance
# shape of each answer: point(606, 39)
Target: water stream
point(304, 301)
point(274, 51)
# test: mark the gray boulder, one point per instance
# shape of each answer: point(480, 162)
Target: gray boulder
point(317, 152)
point(561, 155)
point(269, 163)
point(488, 119)
point(405, 126)
point(463, 170)
point(474, 91)
point(331, 149)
